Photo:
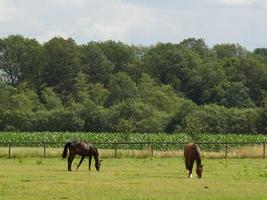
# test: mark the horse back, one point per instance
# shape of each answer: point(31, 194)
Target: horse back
point(190, 151)
point(80, 148)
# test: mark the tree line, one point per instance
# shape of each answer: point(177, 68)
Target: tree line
point(110, 86)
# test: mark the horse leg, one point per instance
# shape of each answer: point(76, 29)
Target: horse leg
point(69, 162)
point(90, 159)
point(190, 167)
point(186, 165)
point(70, 159)
point(80, 162)
point(190, 174)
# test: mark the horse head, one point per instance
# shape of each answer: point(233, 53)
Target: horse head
point(98, 164)
point(199, 171)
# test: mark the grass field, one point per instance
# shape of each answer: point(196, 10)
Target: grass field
point(132, 179)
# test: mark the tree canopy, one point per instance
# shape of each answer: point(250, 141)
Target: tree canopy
point(112, 86)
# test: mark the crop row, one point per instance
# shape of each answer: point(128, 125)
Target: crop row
point(108, 140)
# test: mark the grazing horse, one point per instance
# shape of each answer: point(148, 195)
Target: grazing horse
point(83, 149)
point(192, 153)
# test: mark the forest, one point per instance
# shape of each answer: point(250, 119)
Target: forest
point(110, 86)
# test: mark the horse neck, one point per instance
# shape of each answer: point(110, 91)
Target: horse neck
point(96, 155)
point(198, 157)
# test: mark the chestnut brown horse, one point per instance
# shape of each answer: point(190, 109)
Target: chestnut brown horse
point(83, 149)
point(192, 153)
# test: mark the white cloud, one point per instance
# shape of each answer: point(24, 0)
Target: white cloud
point(57, 32)
point(115, 20)
point(8, 12)
point(243, 3)
point(216, 21)
point(102, 30)
point(237, 2)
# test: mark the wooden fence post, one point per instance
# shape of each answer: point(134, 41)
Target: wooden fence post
point(264, 147)
point(115, 155)
point(226, 149)
point(9, 150)
point(151, 148)
point(44, 150)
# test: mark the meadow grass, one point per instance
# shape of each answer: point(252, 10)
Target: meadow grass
point(132, 179)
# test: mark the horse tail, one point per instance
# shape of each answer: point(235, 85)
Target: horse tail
point(65, 151)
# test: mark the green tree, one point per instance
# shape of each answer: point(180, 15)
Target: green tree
point(177, 121)
point(121, 87)
point(62, 65)
point(261, 54)
point(81, 89)
point(95, 64)
point(99, 94)
point(177, 66)
point(19, 114)
point(250, 72)
point(98, 120)
point(233, 94)
point(135, 116)
point(161, 97)
point(261, 123)
point(21, 59)
point(118, 53)
point(229, 51)
point(212, 75)
point(196, 45)
point(50, 99)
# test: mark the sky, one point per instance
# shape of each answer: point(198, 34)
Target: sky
point(139, 22)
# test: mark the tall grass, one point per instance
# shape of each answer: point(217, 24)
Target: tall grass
point(28, 152)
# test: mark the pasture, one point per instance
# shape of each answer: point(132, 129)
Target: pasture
point(132, 179)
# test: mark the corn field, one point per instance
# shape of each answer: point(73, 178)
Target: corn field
point(210, 142)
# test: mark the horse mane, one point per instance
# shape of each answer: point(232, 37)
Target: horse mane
point(95, 152)
point(198, 155)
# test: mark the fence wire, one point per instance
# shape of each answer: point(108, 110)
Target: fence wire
point(245, 149)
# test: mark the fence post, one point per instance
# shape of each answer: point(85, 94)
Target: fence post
point(151, 148)
point(226, 149)
point(115, 155)
point(44, 150)
point(264, 147)
point(9, 150)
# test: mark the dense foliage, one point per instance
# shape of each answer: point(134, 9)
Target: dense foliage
point(114, 87)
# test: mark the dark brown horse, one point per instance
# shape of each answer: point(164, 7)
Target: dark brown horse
point(83, 149)
point(192, 153)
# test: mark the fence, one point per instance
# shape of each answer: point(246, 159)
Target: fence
point(151, 146)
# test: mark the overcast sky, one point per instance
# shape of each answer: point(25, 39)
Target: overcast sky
point(138, 21)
